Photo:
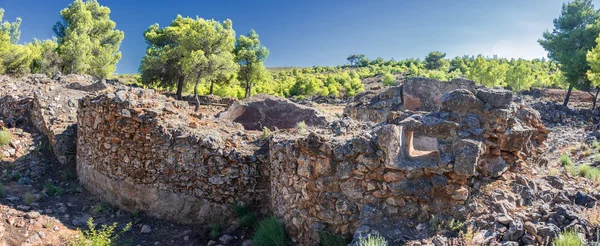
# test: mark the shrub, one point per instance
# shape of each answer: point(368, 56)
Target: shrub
point(245, 217)
point(596, 145)
point(389, 80)
point(301, 127)
point(266, 133)
point(28, 198)
point(52, 190)
point(589, 172)
point(215, 231)
point(567, 238)
point(372, 240)
point(270, 232)
point(330, 239)
point(565, 160)
point(5, 137)
point(106, 236)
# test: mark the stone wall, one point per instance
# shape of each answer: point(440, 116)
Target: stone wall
point(140, 150)
point(415, 165)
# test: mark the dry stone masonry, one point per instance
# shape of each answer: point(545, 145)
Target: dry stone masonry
point(403, 153)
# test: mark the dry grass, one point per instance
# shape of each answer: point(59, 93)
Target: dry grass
point(592, 215)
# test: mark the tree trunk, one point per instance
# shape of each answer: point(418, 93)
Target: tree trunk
point(212, 84)
point(179, 88)
point(247, 90)
point(197, 108)
point(595, 98)
point(568, 95)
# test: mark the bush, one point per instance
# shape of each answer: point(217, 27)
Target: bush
point(245, 217)
point(270, 232)
point(565, 160)
point(589, 172)
point(389, 80)
point(372, 240)
point(331, 239)
point(302, 128)
point(106, 236)
point(5, 137)
point(52, 190)
point(567, 238)
point(28, 198)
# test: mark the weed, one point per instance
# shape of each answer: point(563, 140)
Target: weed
point(596, 145)
point(270, 232)
point(330, 239)
point(302, 128)
point(372, 240)
point(47, 224)
point(565, 160)
point(247, 221)
point(245, 217)
point(592, 215)
point(106, 236)
point(215, 231)
point(589, 172)
point(552, 172)
point(28, 198)
point(436, 223)
point(239, 209)
point(5, 137)
point(587, 151)
point(467, 236)
point(567, 238)
point(2, 190)
point(266, 133)
point(456, 225)
point(53, 190)
point(99, 208)
point(16, 175)
point(68, 175)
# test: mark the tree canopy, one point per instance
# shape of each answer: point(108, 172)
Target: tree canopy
point(574, 34)
point(435, 61)
point(250, 54)
point(87, 38)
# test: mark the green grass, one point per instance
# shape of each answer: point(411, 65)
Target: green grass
point(28, 198)
point(5, 137)
point(589, 172)
point(302, 128)
point(270, 232)
point(53, 190)
point(106, 236)
point(215, 231)
point(372, 240)
point(331, 239)
point(245, 217)
point(567, 238)
point(565, 160)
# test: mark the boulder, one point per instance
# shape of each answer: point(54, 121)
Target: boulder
point(270, 111)
point(498, 98)
point(467, 152)
point(460, 101)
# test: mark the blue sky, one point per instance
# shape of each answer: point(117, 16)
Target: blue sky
point(311, 32)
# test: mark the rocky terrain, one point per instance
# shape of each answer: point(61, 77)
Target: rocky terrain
point(424, 163)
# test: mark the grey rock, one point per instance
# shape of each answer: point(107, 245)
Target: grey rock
point(498, 98)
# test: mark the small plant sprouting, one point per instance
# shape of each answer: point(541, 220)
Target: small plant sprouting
point(270, 232)
point(266, 134)
point(372, 240)
point(565, 160)
point(28, 198)
point(52, 190)
point(47, 224)
point(106, 236)
point(567, 238)
point(5, 137)
point(302, 128)
point(215, 231)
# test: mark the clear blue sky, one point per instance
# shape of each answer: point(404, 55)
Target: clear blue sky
point(311, 32)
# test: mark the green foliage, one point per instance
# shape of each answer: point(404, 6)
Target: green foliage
point(88, 42)
point(358, 60)
point(16, 175)
point(389, 80)
point(28, 198)
point(435, 61)
point(250, 54)
point(45, 58)
point(266, 133)
point(488, 72)
point(372, 240)
point(246, 218)
point(565, 160)
point(270, 232)
point(215, 231)
point(567, 238)
point(100, 207)
point(589, 172)
point(302, 128)
point(520, 76)
point(330, 239)
point(5, 137)
point(574, 34)
point(52, 190)
point(106, 236)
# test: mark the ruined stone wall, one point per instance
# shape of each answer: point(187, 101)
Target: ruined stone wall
point(415, 165)
point(138, 150)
